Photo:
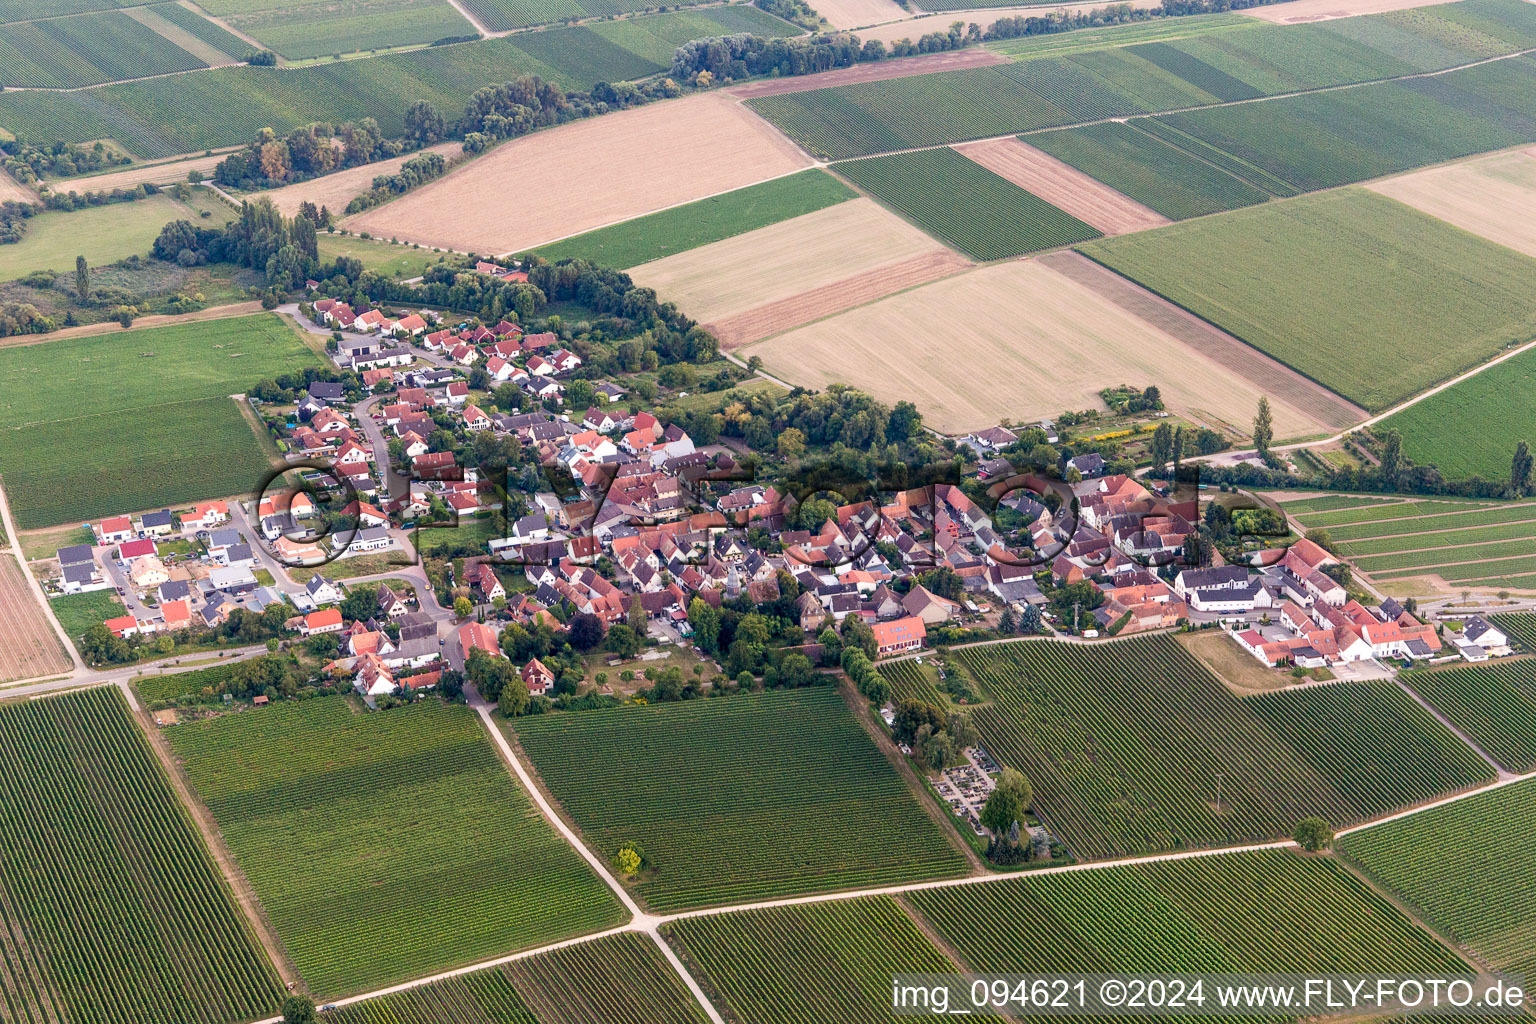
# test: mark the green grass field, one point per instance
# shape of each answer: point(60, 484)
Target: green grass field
point(103, 234)
point(617, 978)
point(112, 910)
point(1262, 912)
point(831, 963)
point(1464, 868)
point(228, 106)
point(966, 205)
point(397, 261)
point(795, 761)
point(1472, 428)
point(64, 461)
point(67, 53)
point(1123, 745)
point(1149, 170)
point(1493, 703)
point(355, 825)
point(79, 612)
point(1363, 294)
point(708, 220)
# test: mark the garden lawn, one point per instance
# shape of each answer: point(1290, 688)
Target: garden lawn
point(747, 797)
point(1364, 295)
point(102, 234)
point(708, 220)
point(386, 845)
point(140, 419)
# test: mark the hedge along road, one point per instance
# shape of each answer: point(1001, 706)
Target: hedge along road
point(650, 924)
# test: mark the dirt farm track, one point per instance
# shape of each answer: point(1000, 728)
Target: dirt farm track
point(28, 645)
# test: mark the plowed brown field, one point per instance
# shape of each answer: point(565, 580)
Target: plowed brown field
point(28, 645)
point(1062, 185)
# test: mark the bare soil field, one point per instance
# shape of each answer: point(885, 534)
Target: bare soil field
point(915, 28)
point(1493, 196)
point(28, 645)
point(166, 172)
point(1315, 404)
point(13, 191)
point(784, 260)
point(337, 190)
point(878, 71)
point(1016, 341)
point(1062, 185)
point(589, 174)
point(858, 13)
point(809, 306)
point(1296, 12)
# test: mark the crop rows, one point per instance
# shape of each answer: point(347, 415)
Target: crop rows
point(1435, 520)
point(616, 978)
point(317, 30)
point(1466, 869)
point(1262, 912)
point(1493, 703)
point(966, 205)
point(1130, 746)
point(355, 826)
point(817, 963)
point(66, 53)
point(1375, 512)
point(1149, 170)
point(111, 909)
point(1485, 554)
point(1374, 744)
point(214, 35)
point(1333, 502)
point(1520, 628)
point(909, 682)
point(1451, 540)
point(748, 798)
point(501, 15)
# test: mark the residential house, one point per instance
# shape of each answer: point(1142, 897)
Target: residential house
point(899, 635)
point(114, 530)
point(539, 679)
point(327, 620)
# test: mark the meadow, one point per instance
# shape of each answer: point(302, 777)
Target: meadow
point(966, 205)
point(1124, 745)
point(1261, 912)
point(227, 106)
point(103, 234)
point(1346, 276)
point(1465, 869)
point(1472, 428)
point(397, 261)
point(61, 467)
point(826, 962)
point(67, 53)
point(699, 223)
point(807, 795)
point(79, 612)
point(615, 978)
point(1149, 170)
point(1494, 704)
point(110, 904)
point(352, 825)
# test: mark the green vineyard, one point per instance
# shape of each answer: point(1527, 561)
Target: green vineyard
point(67, 53)
point(111, 908)
point(355, 825)
point(965, 204)
point(1521, 630)
point(617, 978)
point(1493, 703)
point(1135, 747)
point(818, 963)
point(1268, 911)
point(1466, 869)
point(732, 799)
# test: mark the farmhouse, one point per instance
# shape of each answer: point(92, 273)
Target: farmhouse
point(898, 635)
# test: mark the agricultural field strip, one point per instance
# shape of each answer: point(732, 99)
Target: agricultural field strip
point(649, 923)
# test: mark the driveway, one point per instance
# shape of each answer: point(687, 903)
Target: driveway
point(1360, 671)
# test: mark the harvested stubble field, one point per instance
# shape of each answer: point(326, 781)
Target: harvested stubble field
point(1465, 869)
point(1123, 743)
point(1493, 196)
point(1493, 703)
point(797, 760)
point(1297, 12)
point(111, 907)
point(61, 466)
point(336, 190)
point(709, 220)
point(1041, 339)
point(1062, 185)
point(734, 277)
point(1345, 276)
point(353, 825)
point(616, 978)
point(844, 14)
point(1269, 910)
point(163, 173)
point(983, 15)
point(588, 174)
point(28, 645)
